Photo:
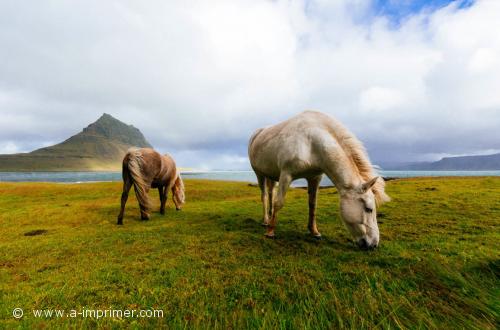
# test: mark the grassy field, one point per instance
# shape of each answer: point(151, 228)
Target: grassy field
point(209, 266)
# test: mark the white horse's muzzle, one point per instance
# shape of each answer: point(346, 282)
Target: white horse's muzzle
point(364, 245)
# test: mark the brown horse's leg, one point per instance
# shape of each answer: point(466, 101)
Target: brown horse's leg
point(165, 195)
point(312, 190)
point(284, 184)
point(126, 188)
point(163, 198)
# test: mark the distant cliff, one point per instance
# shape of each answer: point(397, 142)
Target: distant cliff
point(99, 147)
point(464, 163)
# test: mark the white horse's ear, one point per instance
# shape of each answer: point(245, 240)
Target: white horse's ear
point(367, 185)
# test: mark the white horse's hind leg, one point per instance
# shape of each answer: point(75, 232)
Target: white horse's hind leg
point(271, 191)
point(263, 197)
point(284, 184)
point(312, 190)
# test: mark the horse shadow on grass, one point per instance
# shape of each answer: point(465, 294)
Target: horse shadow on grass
point(292, 240)
point(287, 239)
point(110, 213)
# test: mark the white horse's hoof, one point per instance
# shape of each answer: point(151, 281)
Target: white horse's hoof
point(317, 236)
point(272, 236)
point(265, 224)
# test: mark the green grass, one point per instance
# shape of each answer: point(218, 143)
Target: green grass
point(209, 266)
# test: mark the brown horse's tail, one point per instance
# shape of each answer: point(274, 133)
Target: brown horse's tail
point(134, 168)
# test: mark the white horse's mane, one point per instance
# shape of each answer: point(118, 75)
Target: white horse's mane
point(356, 152)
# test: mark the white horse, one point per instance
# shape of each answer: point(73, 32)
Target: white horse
point(306, 146)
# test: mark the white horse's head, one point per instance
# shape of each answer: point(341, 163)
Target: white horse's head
point(358, 211)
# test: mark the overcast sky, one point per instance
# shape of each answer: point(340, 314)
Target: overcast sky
point(414, 80)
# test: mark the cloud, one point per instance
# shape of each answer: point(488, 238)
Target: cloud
point(483, 60)
point(198, 78)
point(381, 98)
point(8, 147)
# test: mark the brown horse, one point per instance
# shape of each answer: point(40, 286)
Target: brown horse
point(144, 169)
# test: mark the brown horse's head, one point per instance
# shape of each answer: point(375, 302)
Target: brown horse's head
point(178, 193)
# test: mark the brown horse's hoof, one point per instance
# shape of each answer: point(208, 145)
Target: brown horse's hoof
point(120, 223)
point(265, 224)
point(270, 236)
point(177, 209)
point(162, 212)
point(144, 218)
point(317, 236)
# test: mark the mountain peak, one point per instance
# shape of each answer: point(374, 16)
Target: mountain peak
point(109, 127)
point(98, 147)
point(106, 116)
point(106, 121)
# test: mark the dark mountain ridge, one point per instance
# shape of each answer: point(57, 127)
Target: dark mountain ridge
point(461, 163)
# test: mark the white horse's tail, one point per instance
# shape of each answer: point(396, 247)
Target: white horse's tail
point(134, 167)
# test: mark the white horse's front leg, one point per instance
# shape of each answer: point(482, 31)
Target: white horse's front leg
point(312, 190)
point(284, 184)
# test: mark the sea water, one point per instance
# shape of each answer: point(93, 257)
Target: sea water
point(245, 176)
